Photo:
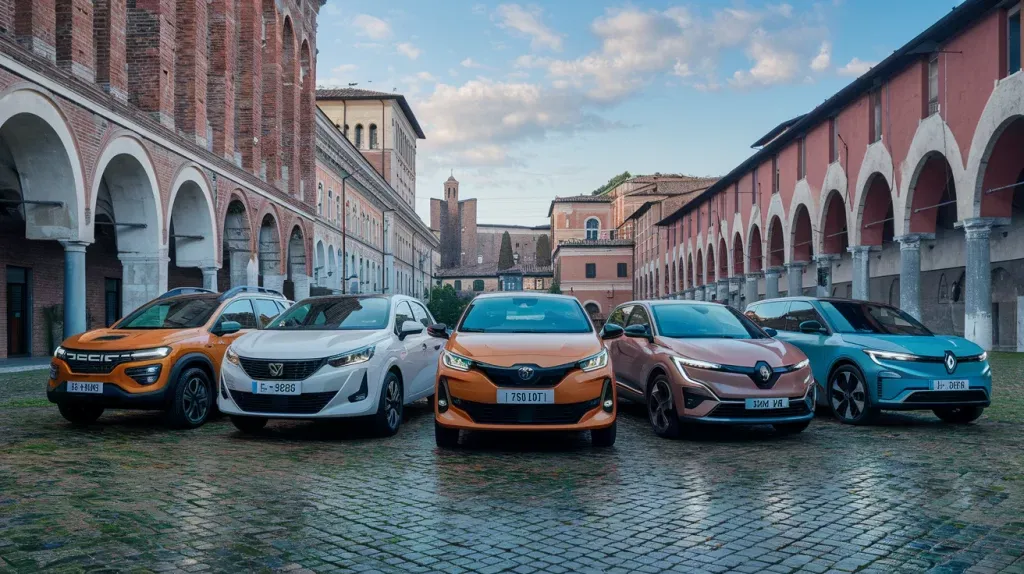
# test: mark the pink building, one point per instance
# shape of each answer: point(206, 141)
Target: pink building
point(907, 186)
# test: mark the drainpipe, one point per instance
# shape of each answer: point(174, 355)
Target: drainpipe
point(344, 237)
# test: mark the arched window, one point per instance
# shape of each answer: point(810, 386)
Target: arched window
point(330, 197)
point(373, 136)
point(359, 136)
point(593, 228)
point(337, 209)
point(320, 198)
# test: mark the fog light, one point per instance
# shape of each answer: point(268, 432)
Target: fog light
point(442, 395)
point(361, 393)
point(442, 404)
point(146, 375)
point(53, 372)
point(692, 400)
point(608, 404)
point(607, 400)
point(889, 375)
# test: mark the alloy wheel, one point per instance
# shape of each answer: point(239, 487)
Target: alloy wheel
point(849, 396)
point(659, 406)
point(195, 400)
point(393, 403)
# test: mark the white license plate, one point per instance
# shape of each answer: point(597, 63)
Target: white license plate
point(265, 388)
point(92, 388)
point(950, 385)
point(527, 397)
point(762, 404)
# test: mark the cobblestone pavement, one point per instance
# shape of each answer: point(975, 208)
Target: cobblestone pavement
point(910, 495)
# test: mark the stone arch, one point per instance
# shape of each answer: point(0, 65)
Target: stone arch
point(237, 243)
point(332, 268)
point(931, 201)
point(592, 307)
point(875, 218)
point(191, 216)
point(319, 263)
point(995, 159)
point(802, 195)
point(710, 260)
point(755, 256)
point(876, 169)
point(698, 271)
point(776, 253)
point(801, 236)
point(833, 225)
point(271, 264)
point(739, 264)
point(297, 282)
point(724, 260)
point(932, 139)
point(776, 210)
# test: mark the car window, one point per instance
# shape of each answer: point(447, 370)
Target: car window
point(800, 311)
point(770, 315)
point(525, 314)
point(421, 314)
point(402, 314)
point(346, 313)
point(241, 312)
point(683, 321)
point(865, 317)
point(618, 316)
point(175, 313)
point(266, 310)
point(639, 317)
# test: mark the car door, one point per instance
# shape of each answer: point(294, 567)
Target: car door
point(635, 350)
point(812, 344)
point(412, 353)
point(617, 317)
point(240, 311)
point(431, 347)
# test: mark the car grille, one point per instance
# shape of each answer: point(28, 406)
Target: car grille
point(304, 404)
point(495, 414)
point(104, 363)
point(541, 377)
point(947, 396)
point(797, 407)
point(292, 370)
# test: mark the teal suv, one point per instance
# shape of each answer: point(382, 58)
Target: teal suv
point(868, 357)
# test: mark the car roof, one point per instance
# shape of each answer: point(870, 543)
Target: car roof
point(810, 298)
point(539, 294)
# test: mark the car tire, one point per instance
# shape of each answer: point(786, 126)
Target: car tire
point(791, 428)
point(445, 437)
point(249, 425)
point(389, 407)
point(959, 415)
point(191, 400)
point(79, 414)
point(849, 398)
point(661, 408)
point(603, 438)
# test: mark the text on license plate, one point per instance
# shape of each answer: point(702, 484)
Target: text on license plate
point(265, 388)
point(528, 397)
point(761, 404)
point(950, 385)
point(76, 387)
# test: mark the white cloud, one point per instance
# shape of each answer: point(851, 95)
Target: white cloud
point(823, 60)
point(371, 27)
point(344, 69)
point(528, 22)
point(471, 63)
point(772, 65)
point(408, 50)
point(856, 67)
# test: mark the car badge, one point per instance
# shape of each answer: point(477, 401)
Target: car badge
point(950, 362)
point(765, 372)
point(525, 373)
point(276, 369)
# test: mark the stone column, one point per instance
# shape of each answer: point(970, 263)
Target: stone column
point(722, 293)
point(978, 300)
point(750, 287)
point(301, 285)
point(736, 285)
point(698, 293)
point(275, 282)
point(239, 262)
point(210, 278)
point(144, 278)
point(910, 274)
point(795, 278)
point(688, 294)
point(861, 271)
point(252, 272)
point(771, 282)
point(74, 288)
point(824, 271)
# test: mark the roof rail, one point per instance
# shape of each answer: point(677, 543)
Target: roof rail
point(184, 291)
point(250, 289)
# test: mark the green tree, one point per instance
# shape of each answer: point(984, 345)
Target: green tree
point(612, 183)
point(556, 287)
point(543, 251)
point(445, 304)
point(505, 260)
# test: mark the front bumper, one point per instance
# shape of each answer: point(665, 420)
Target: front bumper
point(120, 391)
point(734, 412)
point(907, 386)
point(327, 393)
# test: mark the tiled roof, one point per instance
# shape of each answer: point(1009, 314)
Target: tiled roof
point(357, 94)
point(578, 199)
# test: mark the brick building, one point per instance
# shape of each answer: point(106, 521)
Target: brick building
point(145, 146)
point(906, 187)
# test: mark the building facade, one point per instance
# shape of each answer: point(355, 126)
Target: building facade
point(486, 278)
point(905, 187)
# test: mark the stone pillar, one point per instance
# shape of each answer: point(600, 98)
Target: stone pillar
point(750, 288)
point(275, 282)
point(823, 276)
point(688, 294)
point(978, 300)
point(736, 285)
point(861, 271)
point(239, 263)
point(910, 274)
point(795, 278)
point(771, 282)
point(722, 293)
point(252, 272)
point(74, 288)
point(144, 278)
point(210, 278)
point(698, 293)
point(301, 284)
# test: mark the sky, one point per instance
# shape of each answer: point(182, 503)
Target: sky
point(527, 101)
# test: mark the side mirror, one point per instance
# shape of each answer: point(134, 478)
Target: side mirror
point(639, 331)
point(410, 328)
point(611, 331)
point(440, 330)
point(227, 328)
point(771, 332)
point(811, 326)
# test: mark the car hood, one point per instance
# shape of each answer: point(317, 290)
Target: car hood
point(128, 339)
point(298, 344)
point(735, 352)
point(933, 346)
point(507, 349)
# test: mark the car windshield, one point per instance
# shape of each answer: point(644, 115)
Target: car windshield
point(525, 315)
point(345, 314)
point(681, 321)
point(176, 313)
point(871, 318)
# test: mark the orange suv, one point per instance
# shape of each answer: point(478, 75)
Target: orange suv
point(522, 361)
point(165, 355)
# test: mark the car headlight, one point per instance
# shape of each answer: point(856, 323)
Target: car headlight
point(457, 362)
point(351, 357)
point(983, 357)
point(595, 362)
point(683, 362)
point(231, 356)
point(801, 364)
point(157, 353)
point(59, 352)
point(879, 356)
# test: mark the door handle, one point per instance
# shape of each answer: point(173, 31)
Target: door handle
point(437, 346)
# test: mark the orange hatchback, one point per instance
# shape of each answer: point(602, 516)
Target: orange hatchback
point(530, 362)
point(165, 355)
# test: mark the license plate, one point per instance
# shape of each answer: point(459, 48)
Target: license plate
point(265, 388)
point(762, 404)
point(540, 397)
point(950, 385)
point(92, 388)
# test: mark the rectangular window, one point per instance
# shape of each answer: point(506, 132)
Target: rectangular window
point(1013, 41)
point(736, 196)
point(775, 174)
point(591, 270)
point(875, 99)
point(933, 84)
point(753, 188)
point(621, 270)
point(801, 162)
point(833, 139)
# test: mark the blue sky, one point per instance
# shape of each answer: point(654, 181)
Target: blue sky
point(532, 100)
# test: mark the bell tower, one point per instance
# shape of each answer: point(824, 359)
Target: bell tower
point(451, 190)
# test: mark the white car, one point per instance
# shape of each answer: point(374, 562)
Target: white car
point(332, 357)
